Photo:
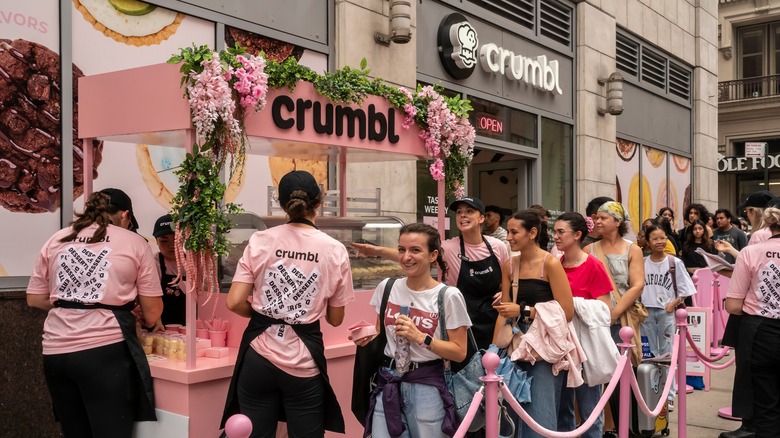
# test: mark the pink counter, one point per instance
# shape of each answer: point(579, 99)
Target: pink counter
point(197, 396)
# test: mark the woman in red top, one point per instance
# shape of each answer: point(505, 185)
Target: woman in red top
point(588, 279)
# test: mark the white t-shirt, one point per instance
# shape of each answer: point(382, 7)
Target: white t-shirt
point(423, 310)
point(297, 273)
point(659, 289)
point(113, 271)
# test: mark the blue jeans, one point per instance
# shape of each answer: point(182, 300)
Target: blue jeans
point(422, 412)
point(587, 399)
point(545, 398)
point(659, 329)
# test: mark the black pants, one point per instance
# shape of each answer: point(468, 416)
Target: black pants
point(765, 368)
point(94, 391)
point(265, 391)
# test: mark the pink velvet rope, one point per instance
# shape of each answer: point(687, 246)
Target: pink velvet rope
point(706, 360)
point(475, 402)
point(665, 393)
point(509, 398)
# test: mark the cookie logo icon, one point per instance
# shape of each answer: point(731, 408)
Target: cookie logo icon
point(464, 41)
point(458, 46)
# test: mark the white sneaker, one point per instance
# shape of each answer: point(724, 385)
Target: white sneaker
point(670, 405)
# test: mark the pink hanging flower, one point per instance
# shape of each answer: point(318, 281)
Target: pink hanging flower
point(437, 170)
point(589, 222)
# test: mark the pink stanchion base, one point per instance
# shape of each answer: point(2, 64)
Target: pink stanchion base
point(726, 413)
point(688, 389)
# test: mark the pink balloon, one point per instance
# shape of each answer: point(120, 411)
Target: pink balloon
point(238, 426)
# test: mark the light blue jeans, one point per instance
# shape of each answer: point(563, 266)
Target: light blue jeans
point(422, 412)
point(587, 399)
point(659, 329)
point(545, 398)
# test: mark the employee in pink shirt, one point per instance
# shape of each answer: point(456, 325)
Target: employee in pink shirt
point(754, 292)
point(296, 275)
point(87, 277)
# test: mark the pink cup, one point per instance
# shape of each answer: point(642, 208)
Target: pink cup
point(202, 333)
point(218, 338)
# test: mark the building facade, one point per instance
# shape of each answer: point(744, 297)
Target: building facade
point(749, 98)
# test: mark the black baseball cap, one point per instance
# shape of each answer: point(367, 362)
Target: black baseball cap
point(757, 199)
point(163, 226)
point(470, 201)
point(774, 203)
point(119, 199)
point(297, 180)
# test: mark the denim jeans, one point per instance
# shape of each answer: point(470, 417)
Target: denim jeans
point(422, 412)
point(659, 329)
point(587, 399)
point(545, 398)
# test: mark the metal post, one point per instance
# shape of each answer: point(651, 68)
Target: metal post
point(190, 312)
point(626, 334)
point(766, 166)
point(491, 361)
point(682, 327)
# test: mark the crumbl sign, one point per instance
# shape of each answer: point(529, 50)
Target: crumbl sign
point(460, 52)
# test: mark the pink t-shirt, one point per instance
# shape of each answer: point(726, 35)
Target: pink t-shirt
point(113, 271)
point(451, 249)
point(756, 279)
point(590, 279)
point(760, 236)
point(297, 273)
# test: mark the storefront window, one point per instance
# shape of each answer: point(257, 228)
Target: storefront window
point(493, 120)
point(556, 165)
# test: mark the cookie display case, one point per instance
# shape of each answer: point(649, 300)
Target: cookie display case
point(367, 272)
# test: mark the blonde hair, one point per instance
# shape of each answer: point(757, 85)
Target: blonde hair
point(758, 214)
point(771, 218)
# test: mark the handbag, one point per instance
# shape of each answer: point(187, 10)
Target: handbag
point(633, 317)
point(368, 360)
point(464, 383)
point(509, 335)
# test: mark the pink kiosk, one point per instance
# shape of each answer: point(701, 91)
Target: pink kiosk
point(190, 394)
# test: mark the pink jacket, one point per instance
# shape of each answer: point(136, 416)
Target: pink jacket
point(553, 340)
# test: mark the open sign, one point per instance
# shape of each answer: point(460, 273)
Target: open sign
point(489, 123)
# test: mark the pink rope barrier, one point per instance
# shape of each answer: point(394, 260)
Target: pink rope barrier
point(667, 387)
point(475, 402)
point(707, 361)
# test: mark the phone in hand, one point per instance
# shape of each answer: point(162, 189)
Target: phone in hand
point(404, 310)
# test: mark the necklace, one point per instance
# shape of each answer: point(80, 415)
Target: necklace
point(425, 286)
point(579, 261)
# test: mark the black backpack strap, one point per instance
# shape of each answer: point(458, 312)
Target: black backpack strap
point(672, 272)
point(383, 306)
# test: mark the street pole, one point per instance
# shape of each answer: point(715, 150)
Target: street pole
point(766, 166)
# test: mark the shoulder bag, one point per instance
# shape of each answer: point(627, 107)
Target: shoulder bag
point(632, 317)
point(368, 360)
point(673, 274)
point(510, 334)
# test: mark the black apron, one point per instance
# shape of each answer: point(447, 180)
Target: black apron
point(311, 336)
point(174, 299)
point(145, 404)
point(478, 281)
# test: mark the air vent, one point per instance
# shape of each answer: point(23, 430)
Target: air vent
point(653, 68)
point(627, 58)
point(555, 21)
point(518, 11)
point(679, 81)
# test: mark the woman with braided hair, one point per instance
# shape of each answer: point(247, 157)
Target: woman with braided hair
point(87, 277)
point(296, 275)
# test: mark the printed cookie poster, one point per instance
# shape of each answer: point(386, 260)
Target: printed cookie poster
point(30, 125)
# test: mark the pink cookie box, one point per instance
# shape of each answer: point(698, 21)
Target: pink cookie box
point(361, 330)
point(217, 352)
point(202, 344)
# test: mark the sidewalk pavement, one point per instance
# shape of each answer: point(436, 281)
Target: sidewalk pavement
point(703, 420)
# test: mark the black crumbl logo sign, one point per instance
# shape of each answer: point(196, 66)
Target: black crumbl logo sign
point(460, 52)
point(769, 290)
point(289, 292)
point(82, 274)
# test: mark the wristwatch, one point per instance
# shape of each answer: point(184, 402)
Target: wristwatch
point(426, 343)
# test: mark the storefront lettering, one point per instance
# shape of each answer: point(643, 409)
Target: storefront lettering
point(376, 126)
point(538, 72)
point(741, 164)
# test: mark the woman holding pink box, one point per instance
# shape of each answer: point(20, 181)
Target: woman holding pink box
point(296, 275)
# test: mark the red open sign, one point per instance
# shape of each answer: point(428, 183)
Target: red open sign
point(488, 122)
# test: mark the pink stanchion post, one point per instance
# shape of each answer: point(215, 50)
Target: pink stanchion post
point(491, 361)
point(626, 334)
point(682, 414)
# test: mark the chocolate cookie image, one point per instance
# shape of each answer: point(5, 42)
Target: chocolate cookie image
point(30, 120)
point(273, 49)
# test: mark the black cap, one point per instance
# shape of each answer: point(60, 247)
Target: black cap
point(757, 199)
point(297, 180)
point(774, 203)
point(163, 226)
point(468, 200)
point(496, 209)
point(119, 199)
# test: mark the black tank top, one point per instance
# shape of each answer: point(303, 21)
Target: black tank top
point(534, 290)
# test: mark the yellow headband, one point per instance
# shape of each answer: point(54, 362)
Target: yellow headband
point(616, 210)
